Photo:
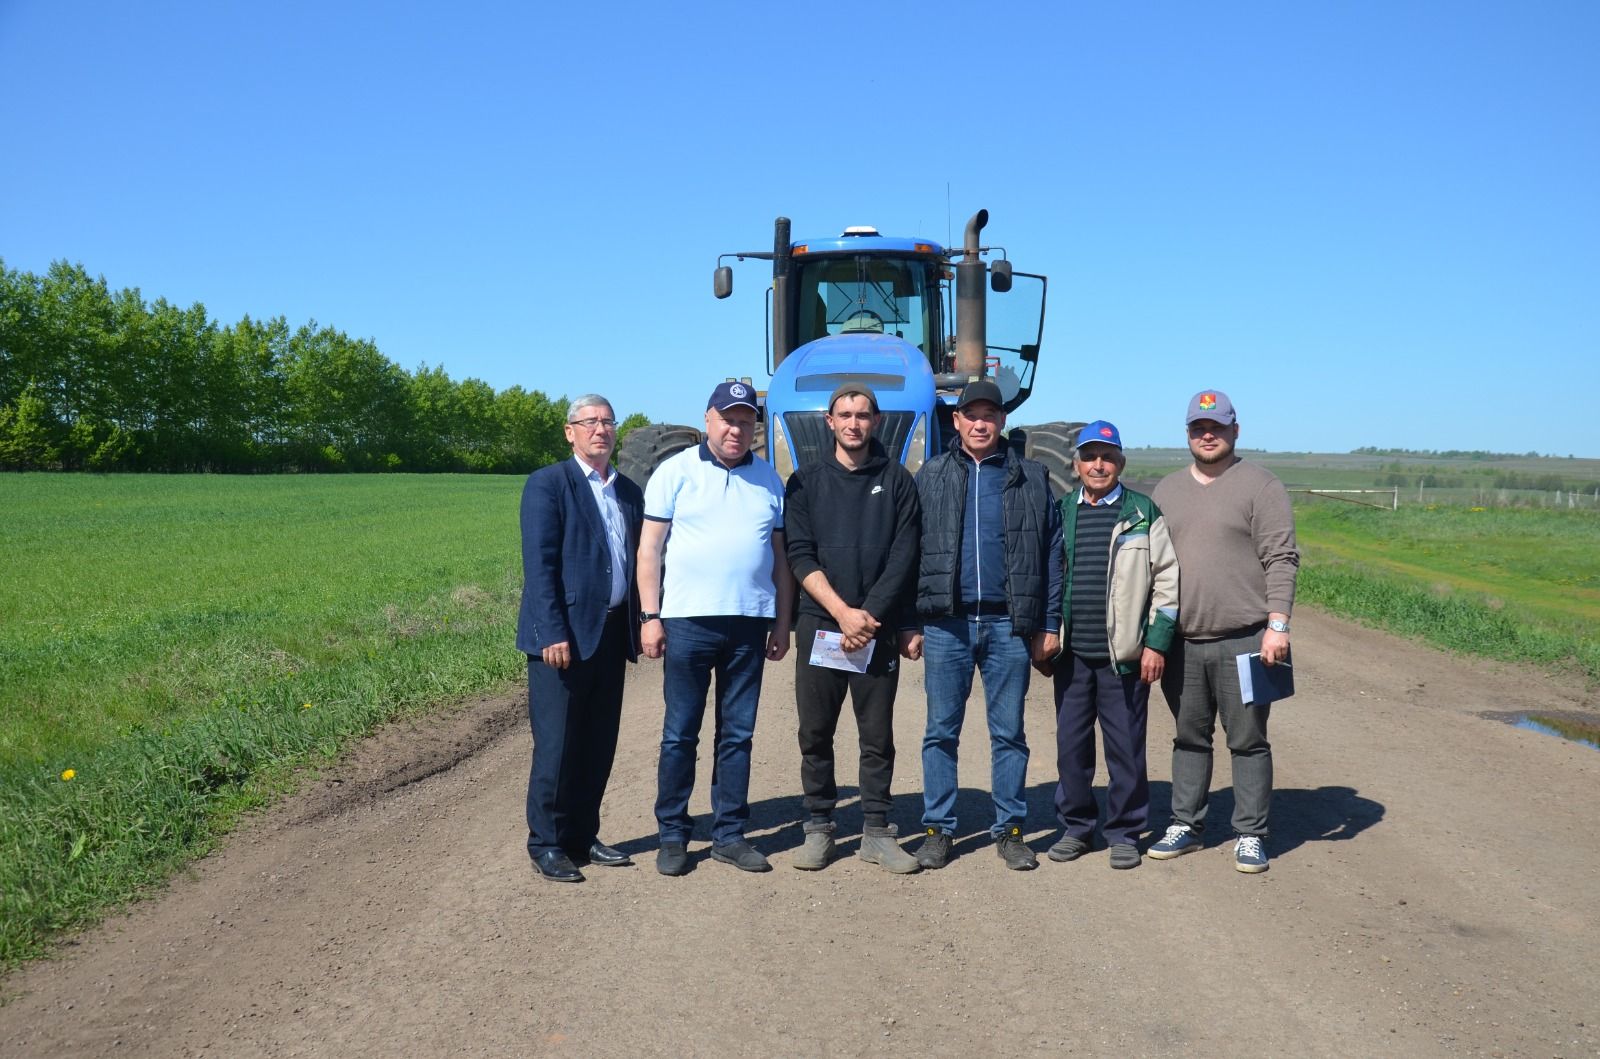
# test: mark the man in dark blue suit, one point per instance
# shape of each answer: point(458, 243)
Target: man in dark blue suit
point(579, 627)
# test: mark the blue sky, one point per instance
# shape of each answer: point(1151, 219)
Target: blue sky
point(1371, 223)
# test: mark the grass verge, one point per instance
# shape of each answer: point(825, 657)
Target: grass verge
point(1514, 584)
point(172, 648)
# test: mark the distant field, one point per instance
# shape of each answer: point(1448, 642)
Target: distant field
point(1505, 573)
point(169, 638)
point(1513, 481)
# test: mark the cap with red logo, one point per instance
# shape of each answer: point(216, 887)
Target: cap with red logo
point(1213, 405)
point(1101, 431)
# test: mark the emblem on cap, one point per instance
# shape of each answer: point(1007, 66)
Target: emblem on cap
point(1208, 401)
point(738, 390)
point(1107, 432)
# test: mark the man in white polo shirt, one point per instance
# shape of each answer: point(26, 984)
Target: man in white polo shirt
point(714, 517)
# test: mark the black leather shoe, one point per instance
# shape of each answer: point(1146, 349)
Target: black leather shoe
point(607, 857)
point(557, 867)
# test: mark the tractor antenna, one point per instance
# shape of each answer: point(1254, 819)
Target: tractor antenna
point(947, 229)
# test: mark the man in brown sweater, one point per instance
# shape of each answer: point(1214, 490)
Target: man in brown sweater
point(1233, 529)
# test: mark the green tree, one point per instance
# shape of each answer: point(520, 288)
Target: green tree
point(28, 433)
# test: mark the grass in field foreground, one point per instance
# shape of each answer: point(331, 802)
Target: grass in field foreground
point(1511, 583)
point(172, 646)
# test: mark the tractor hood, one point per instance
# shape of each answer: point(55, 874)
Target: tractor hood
point(797, 398)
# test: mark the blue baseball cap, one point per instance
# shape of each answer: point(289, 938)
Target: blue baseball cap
point(1101, 431)
point(732, 394)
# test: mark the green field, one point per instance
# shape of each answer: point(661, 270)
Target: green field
point(1514, 583)
point(178, 642)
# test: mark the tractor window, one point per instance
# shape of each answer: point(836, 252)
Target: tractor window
point(868, 294)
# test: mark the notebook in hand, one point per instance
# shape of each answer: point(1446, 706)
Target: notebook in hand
point(1260, 683)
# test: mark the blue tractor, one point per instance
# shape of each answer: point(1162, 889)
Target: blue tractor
point(906, 316)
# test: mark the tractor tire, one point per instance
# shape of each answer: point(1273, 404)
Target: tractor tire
point(1052, 444)
point(646, 448)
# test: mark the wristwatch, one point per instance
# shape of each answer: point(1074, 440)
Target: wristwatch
point(1278, 626)
point(648, 616)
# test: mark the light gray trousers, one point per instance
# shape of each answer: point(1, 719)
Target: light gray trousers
point(1201, 683)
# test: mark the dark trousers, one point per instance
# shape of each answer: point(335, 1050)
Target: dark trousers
point(575, 714)
point(1086, 692)
point(819, 696)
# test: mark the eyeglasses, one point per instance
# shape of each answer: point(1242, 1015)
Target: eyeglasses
point(593, 423)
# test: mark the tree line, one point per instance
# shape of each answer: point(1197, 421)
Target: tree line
point(1444, 454)
point(102, 381)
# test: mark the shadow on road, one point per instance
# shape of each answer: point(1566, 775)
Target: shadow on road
point(1299, 815)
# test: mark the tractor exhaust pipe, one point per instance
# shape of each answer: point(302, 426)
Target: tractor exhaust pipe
point(782, 311)
point(972, 324)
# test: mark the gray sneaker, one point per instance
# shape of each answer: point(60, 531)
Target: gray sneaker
point(818, 848)
point(935, 849)
point(1249, 855)
point(1178, 840)
point(1124, 855)
point(1014, 851)
point(878, 846)
point(1068, 848)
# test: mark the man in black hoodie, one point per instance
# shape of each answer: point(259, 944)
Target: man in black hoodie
point(852, 528)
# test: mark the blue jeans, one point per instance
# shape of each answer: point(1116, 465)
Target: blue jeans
point(951, 648)
point(734, 648)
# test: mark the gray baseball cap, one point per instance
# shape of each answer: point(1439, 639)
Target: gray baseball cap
point(1213, 405)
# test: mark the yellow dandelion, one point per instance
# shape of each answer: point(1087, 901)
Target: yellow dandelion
point(69, 775)
point(305, 705)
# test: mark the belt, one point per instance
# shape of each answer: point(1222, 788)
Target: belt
point(1236, 634)
point(982, 608)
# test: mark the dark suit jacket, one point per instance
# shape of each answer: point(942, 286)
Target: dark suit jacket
point(566, 563)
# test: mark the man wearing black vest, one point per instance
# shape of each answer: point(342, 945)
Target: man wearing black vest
point(989, 598)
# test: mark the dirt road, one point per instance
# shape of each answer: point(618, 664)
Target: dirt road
point(1432, 892)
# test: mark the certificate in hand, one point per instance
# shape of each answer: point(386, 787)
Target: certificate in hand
point(828, 650)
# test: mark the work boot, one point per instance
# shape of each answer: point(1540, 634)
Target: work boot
point(878, 846)
point(818, 848)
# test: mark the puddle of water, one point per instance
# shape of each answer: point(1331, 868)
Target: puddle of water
point(1579, 728)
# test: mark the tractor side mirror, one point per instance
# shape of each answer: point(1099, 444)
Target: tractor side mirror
point(722, 282)
point(1000, 276)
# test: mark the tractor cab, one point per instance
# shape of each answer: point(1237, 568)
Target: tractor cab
point(900, 315)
